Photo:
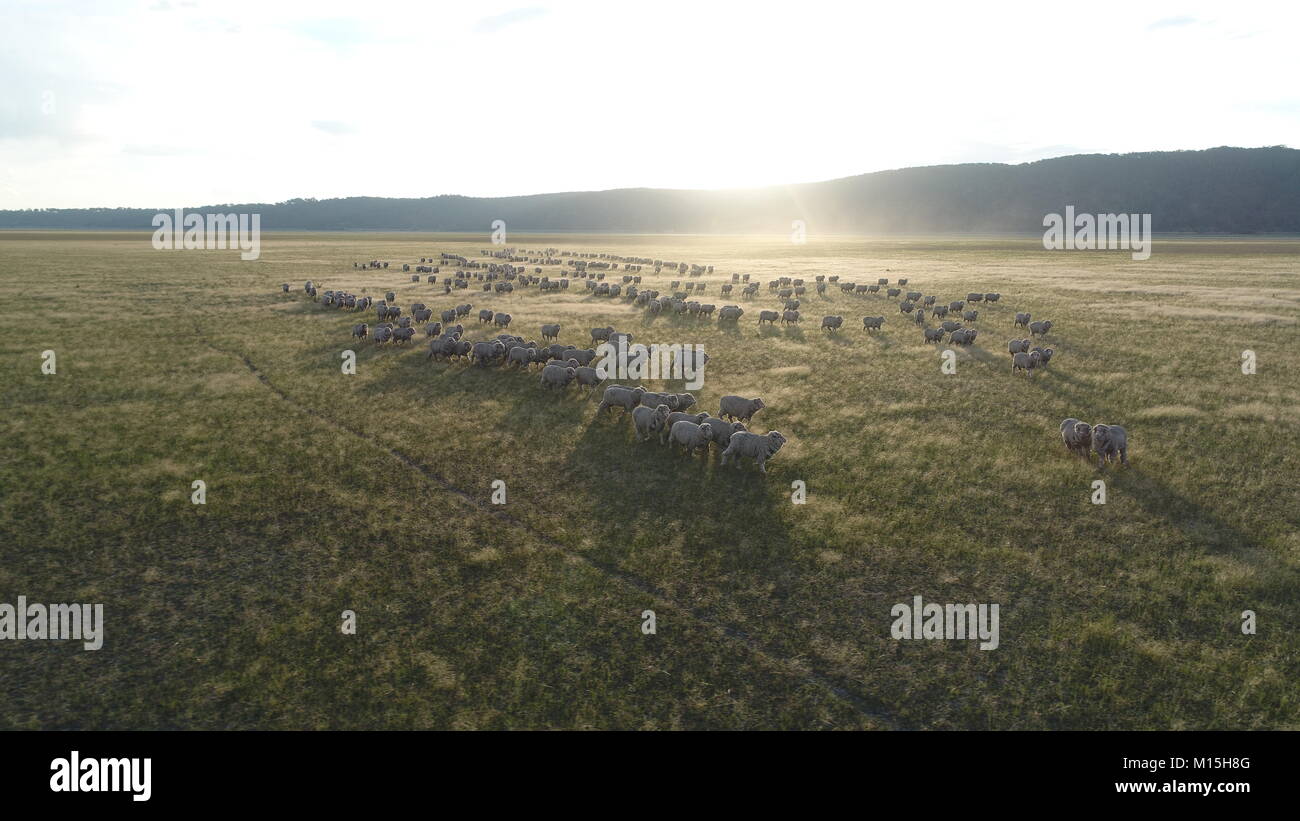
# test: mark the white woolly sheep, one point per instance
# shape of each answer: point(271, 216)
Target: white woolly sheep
point(691, 435)
point(1110, 442)
point(758, 446)
point(1077, 436)
point(647, 420)
point(738, 407)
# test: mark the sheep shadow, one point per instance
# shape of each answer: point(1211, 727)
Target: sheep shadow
point(646, 493)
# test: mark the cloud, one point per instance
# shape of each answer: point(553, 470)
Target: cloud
point(334, 128)
point(1172, 22)
point(497, 22)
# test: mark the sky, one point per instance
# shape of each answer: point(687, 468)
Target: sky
point(166, 103)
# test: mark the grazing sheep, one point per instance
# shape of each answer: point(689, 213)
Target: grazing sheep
point(449, 315)
point(588, 377)
point(790, 317)
point(730, 313)
point(519, 355)
point(360, 330)
point(1077, 436)
point(679, 416)
point(950, 325)
point(722, 430)
point(582, 355)
point(1018, 346)
point(893, 292)
point(691, 435)
point(1024, 362)
point(1040, 328)
point(646, 420)
point(970, 316)
point(620, 396)
point(939, 310)
point(872, 323)
point(463, 310)
point(557, 376)
point(768, 316)
point(758, 446)
point(551, 331)
point(655, 399)
point(975, 296)
point(906, 307)
point(1022, 320)
point(956, 306)
point(832, 323)
point(1110, 442)
point(913, 296)
point(601, 334)
point(994, 297)
point(738, 407)
point(484, 352)
point(934, 334)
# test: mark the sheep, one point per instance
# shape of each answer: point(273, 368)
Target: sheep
point(588, 377)
point(758, 446)
point(620, 396)
point(551, 331)
point(557, 376)
point(1016, 346)
point(691, 435)
point(994, 297)
point(913, 296)
point(433, 329)
point(893, 292)
point(1040, 328)
point(906, 307)
point(484, 352)
point(949, 325)
point(520, 355)
point(449, 316)
point(960, 336)
point(934, 334)
point(832, 323)
point(929, 301)
point(1110, 442)
point(485, 315)
point(975, 296)
point(463, 310)
point(939, 310)
point(582, 355)
point(970, 316)
point(382, 334)
point(1077, 436)
point(722, 430)
point(502, 320)
point(360, 330)
point(1024, 362)
point(601, 334)
point(872, 323)
point(738, 407)
point(684, 401)
point(1022, 320)
point(790, 317)
point(918, 318)
point(731, 313)
point(652, 400)
point(1044, 353)
point(646, 420)
point(401, 335)
point(285, 286)
point(390, 296)
point(956, 306)
point(768, 316)
point(679, 416)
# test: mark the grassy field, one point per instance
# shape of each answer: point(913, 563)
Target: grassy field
point(371, 492)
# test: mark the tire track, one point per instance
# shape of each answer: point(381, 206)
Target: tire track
point(872, 709)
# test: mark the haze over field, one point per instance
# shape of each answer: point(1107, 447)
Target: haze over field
point(164, 103)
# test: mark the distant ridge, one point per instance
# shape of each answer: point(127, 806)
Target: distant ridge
point(1214, 191)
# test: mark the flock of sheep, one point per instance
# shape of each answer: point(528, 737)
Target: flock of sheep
point(666, 414)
